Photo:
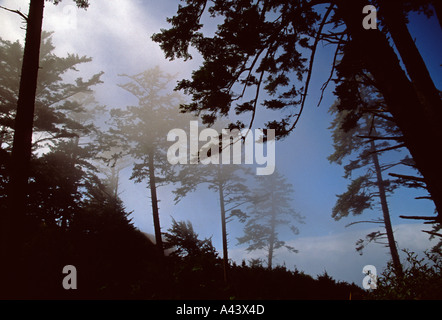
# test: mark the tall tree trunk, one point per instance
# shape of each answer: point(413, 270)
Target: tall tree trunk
point(422, 133)
point(74, 157)
point(14, 273)
point(412, 59)
point(223, 230)
point(385, 211)
point(272, 235)
point(116, 178)
point(154, 198)
point(22, 144)
point(437, 5)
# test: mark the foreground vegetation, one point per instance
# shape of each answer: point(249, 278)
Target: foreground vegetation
point(114, 260)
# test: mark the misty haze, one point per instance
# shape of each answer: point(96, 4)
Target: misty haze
point(220, 150)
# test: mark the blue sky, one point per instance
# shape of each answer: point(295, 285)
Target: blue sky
point(116, 34)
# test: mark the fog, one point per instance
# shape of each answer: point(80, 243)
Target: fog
point(267, 202)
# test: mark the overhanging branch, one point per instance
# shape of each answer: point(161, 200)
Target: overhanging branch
point(433, 233)
point(367, 221)
point(381, 138)
point(332, 71)
point(389, 148)
point(312, 58)
point(419, 218)
point(407, 177)
point(17, 12)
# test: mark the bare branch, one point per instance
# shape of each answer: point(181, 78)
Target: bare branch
point(419, 218)
point(389, 166)
point(243, 69)
point(381, 138)
point(318, 2)
point(309, 74)
point(424, 197)
point(378, 113)
point(433, 233)
point(332, 71)
point(17, 12)
point(402, 176)
point(236, 206)
point(256, 101)
point(398, 146)
point(368, 221)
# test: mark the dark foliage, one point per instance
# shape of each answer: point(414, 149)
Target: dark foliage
point(72, 220)
point(116, 261)
point(421, 280)
point(70, 217)
point(197, 274)
point(279, 283)
point(258, 45)
point(269, 47)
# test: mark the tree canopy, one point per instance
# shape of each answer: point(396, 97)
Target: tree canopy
point(278, 56)
point(64, 152)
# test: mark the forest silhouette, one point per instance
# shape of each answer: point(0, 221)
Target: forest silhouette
point(62, 153)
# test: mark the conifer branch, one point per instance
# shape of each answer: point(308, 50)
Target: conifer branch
point(332, 71)
point(402, 176)
point(17, 12)
point(310, 69)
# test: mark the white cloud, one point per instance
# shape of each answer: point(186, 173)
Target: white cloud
point(116, 34)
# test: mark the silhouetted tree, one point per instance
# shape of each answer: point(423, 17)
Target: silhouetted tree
point(21, 150)
point(421, 279)
point(73, 219)
point(227, 181)
point(63, 110)
point(261, 44)
point(14, 215)
point(368, 139)
point(271, 209)
point(403, 99)
point(142, 130)
point(184, 242)
point(196, 266)
point(110, 163)
point(24, 117)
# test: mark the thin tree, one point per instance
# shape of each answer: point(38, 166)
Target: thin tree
point(111, 163)
point(417, 120)
point(142, 130)
point(271, 209)
point(22, 143)
point(14, 215)
point(227, 181)
point(366, 141)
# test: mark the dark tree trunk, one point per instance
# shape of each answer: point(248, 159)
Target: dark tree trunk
point(115, 182)
point(22, 144)
point(437, 5)
point(14, 272)
point(224, 232)
point(422, 133)
point(412, 59)
point(154, 198)
point(386, 212)
point(272, 235)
